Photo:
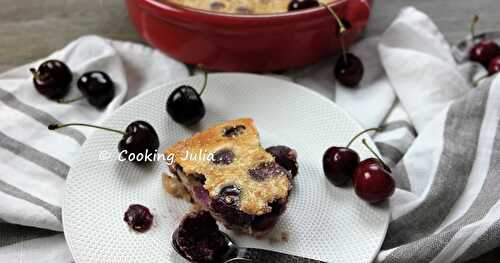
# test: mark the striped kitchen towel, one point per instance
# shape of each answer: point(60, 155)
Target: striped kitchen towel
point(439, 136)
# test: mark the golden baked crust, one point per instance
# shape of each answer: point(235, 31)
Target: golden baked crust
point(239, 6)
point(248, 154)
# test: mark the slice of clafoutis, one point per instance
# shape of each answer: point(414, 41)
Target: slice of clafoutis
point(227, 172)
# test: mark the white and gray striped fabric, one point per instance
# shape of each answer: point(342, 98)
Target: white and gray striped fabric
point(439, 136)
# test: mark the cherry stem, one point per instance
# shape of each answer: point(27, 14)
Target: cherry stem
point(342, 30)
point(361, 133)
point(56, 126)
point(35, 73)
point(373, 152)
point(476, 82)
point(62, 101)
point(205, 76)
point(473, 23)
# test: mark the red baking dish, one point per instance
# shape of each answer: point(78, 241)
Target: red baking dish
point(255, 43)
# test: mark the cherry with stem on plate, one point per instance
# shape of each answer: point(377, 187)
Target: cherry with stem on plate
point(139, 139)
point(372, 180)
point(97, 87)
point(52, 79)
point(184, 104)
point(296, 5)
point(483, 51)
point(339, 163)
point(349, 68)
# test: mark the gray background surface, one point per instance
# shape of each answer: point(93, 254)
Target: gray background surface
point(30, 29)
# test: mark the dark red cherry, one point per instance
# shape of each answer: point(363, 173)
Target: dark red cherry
point(97, 87)
point(286, 157)
point(267, 221)
point(223, 157)
point(266, 170)
point(378, 162)
point(138, 144)
point(139, 138)
point(138, 217)
point(372, 182)
point(198, 238)
point(226, 206)
point(494, 66)
point(185, 106)
point(52, 79)
point(349, 70)
point(230, 194)
point(339, 164)
point(296, 5)
point(484, 51)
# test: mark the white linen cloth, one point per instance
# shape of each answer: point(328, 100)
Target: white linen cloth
point(440, 136)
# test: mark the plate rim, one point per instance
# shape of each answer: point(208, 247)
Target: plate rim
point(385, 207)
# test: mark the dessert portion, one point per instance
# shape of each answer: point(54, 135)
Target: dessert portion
point(239, 6)
point(228, 173)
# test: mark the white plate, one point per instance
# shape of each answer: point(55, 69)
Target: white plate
point(322, 221)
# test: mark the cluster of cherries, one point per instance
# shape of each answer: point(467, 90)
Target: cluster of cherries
point(486, 52)
point(53, 80)
point(349, 68)
point(184, 105)
point(371, 178)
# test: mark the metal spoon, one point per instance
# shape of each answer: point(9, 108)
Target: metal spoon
point(236, 254)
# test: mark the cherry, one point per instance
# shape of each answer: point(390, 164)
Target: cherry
point(349, 68)
point(138, 217)
point(97, 87)
point(494, 66)
point(199, 239)
point(372, 182)
point(226, 206)
point(223, 157)
point(52, 79)
point(139, 139)
point(296, 5)
point(286, 157)
point(267, 221)
point(267, 170)
point(484, 51)
point(185, 106)
point(339, 163)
